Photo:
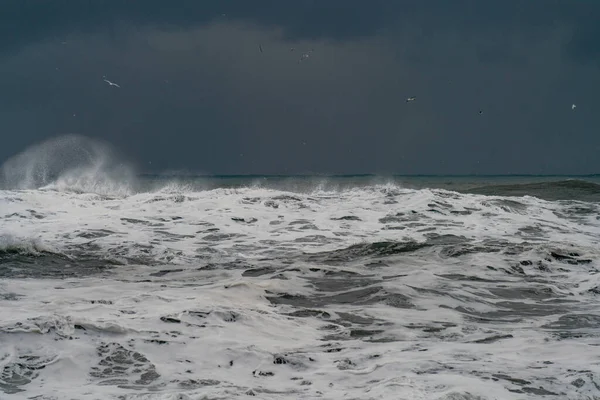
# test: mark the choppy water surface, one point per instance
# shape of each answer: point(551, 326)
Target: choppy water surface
point(300, 288)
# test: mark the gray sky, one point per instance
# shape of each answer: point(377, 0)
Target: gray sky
point(198, 95)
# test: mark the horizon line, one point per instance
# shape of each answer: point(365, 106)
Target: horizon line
point(161, 174)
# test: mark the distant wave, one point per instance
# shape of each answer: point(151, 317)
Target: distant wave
point(78, 164)
point(554, 190)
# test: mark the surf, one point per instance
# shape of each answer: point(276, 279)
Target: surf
point(71, 163)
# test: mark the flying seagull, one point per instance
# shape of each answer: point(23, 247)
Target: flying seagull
point(305, 56)
point(411, 99)
point(260, 48)
point(110, 83)
point(573, 107)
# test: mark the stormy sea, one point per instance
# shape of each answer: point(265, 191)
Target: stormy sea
point(121, 285)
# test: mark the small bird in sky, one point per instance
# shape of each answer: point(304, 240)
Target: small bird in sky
point(305, 56)
point(260, 48)
point(413, 98)
point(110, 83)
point(573, 107)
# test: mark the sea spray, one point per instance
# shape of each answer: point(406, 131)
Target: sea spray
point(69, 163)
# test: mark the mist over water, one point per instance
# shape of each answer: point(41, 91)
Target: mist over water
point(69, 163)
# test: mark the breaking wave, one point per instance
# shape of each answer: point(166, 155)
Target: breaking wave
point(12, 245)
point(69, 163)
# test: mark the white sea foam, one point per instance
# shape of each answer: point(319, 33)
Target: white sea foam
point(223, 316)
point(181, 221)
point(379, 292)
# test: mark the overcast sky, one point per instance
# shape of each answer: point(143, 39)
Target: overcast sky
point(197, 94)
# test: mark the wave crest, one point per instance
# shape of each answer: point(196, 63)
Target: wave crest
point(68, 163)
point(12, 245)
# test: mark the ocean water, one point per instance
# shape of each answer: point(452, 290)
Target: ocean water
point(117, 285)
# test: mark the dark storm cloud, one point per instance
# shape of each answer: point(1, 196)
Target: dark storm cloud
point(23, 22)
point(584, 45)
point(26, 21)
point(197, 93)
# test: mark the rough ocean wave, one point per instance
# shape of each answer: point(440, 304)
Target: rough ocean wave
point(298, 288)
